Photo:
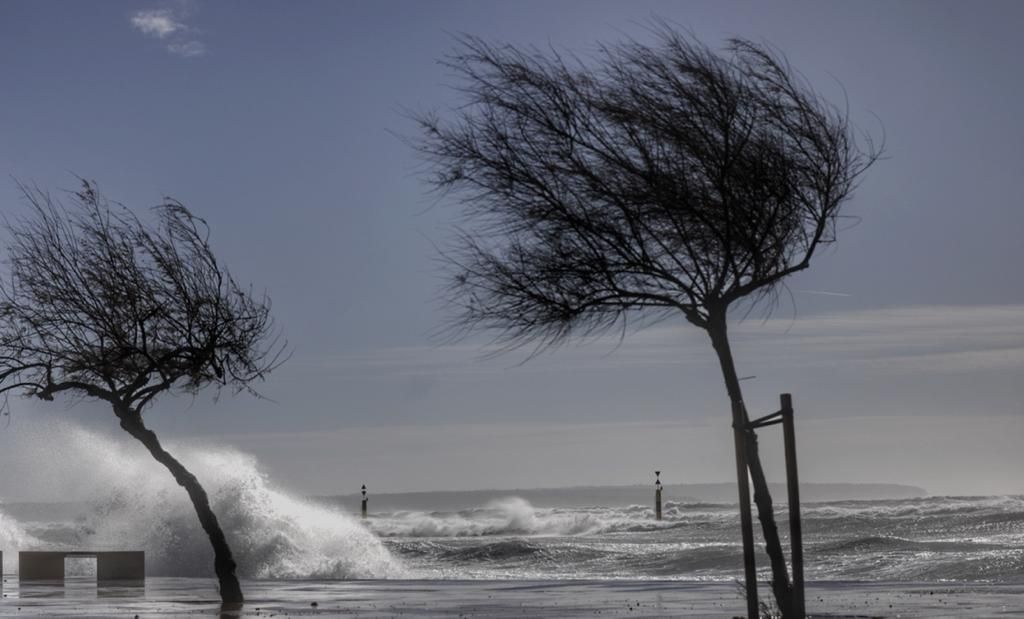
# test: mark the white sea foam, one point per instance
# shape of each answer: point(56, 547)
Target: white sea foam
point(516, 516)
point(134, 503)
point(509, 516)
point(12, 536)
point(137, 505)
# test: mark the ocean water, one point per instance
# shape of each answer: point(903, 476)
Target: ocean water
point(280, 537)
point(940, 539)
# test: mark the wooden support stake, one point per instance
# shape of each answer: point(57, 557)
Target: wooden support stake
point(793, 487)
point(739, 432)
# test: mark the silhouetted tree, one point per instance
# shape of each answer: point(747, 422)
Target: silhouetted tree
point(652, 179)
point(100, 305)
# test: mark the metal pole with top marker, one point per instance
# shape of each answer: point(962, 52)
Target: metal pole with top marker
point(657, 495)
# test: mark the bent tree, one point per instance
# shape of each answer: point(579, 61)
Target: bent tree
point(98, 304)
point(651, 179)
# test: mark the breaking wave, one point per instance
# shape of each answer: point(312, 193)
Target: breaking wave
point(13, 536)
point(137, 505)
point(128, 501)
point(516, 516)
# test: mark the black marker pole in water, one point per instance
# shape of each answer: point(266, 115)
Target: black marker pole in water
point(657, 495)
point(364, 501)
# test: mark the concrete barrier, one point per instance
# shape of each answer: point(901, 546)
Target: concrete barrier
point(48, 565)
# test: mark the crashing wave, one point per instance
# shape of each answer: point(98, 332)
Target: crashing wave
point(137, 505)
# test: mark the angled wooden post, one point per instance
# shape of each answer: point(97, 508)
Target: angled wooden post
point(739, 432)
point(793, 490)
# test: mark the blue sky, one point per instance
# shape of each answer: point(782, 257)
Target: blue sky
point(278, 123)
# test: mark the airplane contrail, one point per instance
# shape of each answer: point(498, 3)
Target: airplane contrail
point(826, 293)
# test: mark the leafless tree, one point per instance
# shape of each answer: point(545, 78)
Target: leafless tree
point(648, 180)
point(100, 305)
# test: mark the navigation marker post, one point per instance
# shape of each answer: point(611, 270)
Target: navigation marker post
point(657, 495)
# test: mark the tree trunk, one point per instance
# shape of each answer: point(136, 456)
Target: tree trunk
point(223, 563)
point(746, 441)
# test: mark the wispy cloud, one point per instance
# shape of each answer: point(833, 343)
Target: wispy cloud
point(914, 340)
point(826, 293)
point(187, 49)
point(159, 23)
point(169, 27)
point(924, 339)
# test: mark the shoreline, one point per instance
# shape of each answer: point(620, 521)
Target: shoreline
point(191, 597)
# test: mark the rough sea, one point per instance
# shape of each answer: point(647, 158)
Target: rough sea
point(280, 538)
point(277, 536)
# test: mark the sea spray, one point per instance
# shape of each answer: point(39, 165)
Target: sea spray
point(12, 536)
point(134, 503)
point(932, 539)
point(508, 516)
point(516, 516)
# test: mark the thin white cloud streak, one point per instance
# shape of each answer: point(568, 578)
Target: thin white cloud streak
point(926, 339)
point(826, 293)
point(954, 362)
point(187, 49)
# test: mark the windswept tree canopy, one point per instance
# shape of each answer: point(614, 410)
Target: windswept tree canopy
point(99, 303)
point(653, 177)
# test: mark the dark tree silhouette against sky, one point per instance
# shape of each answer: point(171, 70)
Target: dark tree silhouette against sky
point(648, 181)
point(101, 305)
